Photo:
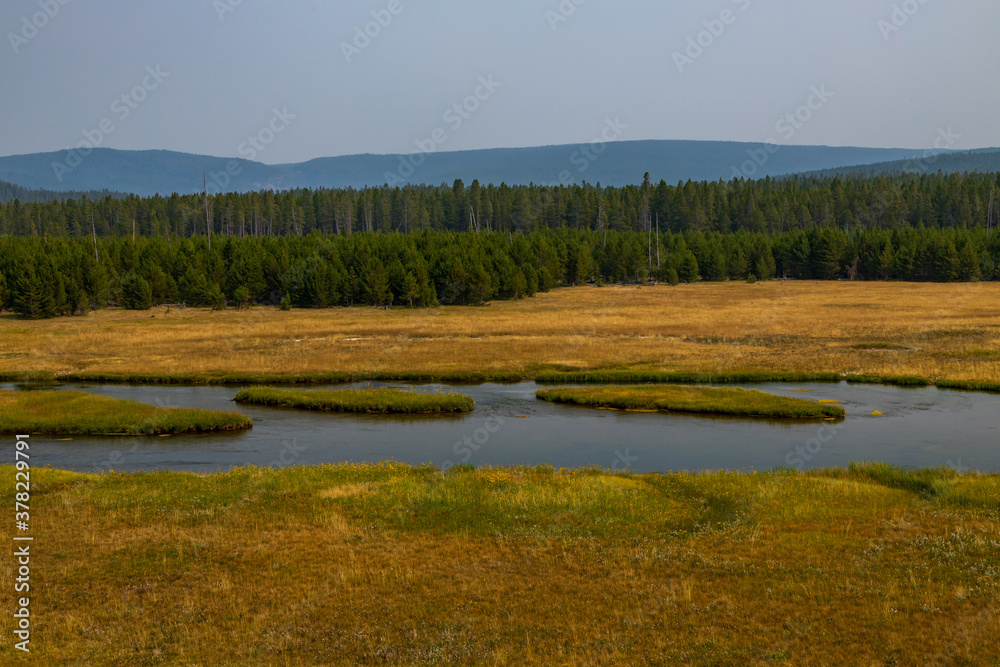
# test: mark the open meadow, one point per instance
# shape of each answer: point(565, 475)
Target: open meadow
point(393, 565)
point(929, 330)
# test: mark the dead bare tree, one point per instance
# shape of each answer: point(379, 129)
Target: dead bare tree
point(208, 219)
point(93, 229)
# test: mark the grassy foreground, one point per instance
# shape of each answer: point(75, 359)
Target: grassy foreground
point(928, 331)
point(694, 400)
point(390, 564)
point(388, 401)
point(80, 413)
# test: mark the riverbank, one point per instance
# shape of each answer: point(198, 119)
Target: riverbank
point(359, 564)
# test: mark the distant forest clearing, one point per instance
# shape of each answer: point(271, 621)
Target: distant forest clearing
point(879, 328)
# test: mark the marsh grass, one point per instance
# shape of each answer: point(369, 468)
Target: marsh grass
point(393, 564)
point(26, 376)
point(80, 413)
point(612, 376)
point(967, 385)
point(388, 401)
point(726, 401)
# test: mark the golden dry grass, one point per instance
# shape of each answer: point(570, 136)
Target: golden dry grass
point(373, 565)
point(929, 330)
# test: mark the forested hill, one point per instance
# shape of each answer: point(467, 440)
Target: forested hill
point(617, 163)
point(981, 161)
point(9, 192)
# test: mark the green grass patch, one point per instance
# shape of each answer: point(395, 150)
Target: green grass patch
point(976, 354)
point(968, 385)
point(80, 413)
point(724, 401)
point(878, 346)
point(927, 481)
point(385, 401)
point(893, 380)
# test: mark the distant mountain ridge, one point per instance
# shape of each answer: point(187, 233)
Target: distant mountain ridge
point(984, 160)
point(617, 163)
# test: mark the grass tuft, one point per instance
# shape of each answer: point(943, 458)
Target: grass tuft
point(927, 481)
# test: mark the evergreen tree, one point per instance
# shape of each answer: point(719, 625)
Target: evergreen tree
point(688, 269)
point(33, 297)
point(968, 264)
point(135, 293)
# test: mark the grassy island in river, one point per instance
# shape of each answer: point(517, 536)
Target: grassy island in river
point(727, 401)
point(80, 413)
point(386, 401)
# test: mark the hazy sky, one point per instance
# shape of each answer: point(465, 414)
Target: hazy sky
point(229, 64)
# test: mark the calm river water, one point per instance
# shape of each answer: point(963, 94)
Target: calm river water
point(919, 428)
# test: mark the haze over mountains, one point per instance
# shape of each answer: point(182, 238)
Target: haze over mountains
point(616, 164)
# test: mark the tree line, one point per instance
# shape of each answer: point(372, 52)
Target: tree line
point(769, 206)
point(48, 277)
point(10, 192)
